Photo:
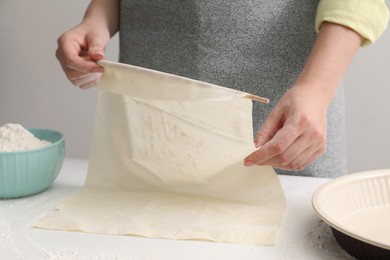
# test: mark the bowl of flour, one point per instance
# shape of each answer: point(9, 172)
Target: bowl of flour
point(30, 159)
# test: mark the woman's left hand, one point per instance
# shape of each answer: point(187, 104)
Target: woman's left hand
point(294, 134)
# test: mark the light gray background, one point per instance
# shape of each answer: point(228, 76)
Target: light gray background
point(35, 93)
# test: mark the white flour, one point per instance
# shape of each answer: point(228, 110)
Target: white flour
point(322, 240)
point(13, 137)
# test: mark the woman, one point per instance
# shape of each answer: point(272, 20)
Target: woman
point(262, 47)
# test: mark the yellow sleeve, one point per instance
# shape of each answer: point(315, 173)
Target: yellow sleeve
point(369, 18)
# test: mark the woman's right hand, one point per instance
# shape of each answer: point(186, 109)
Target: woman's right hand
point(79, 49)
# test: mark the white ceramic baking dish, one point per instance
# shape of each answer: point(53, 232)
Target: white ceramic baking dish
point(357, 208)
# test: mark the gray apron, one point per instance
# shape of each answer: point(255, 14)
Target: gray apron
point(256, 46)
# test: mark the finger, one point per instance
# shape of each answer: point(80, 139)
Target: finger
point(304, 148)
point(96, 53)
point(75, 76)
point(87, 80)
point(296, 163)
point(89, 85)
point(312, 153)
point(72, 74)
point(277, 145)
point(268, 129)
point(302, 161)
point(96, 45)
point(290, 154)
point(83, 64)
point(310, 160)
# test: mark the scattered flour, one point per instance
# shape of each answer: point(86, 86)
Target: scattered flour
point(13, 137)
point(321, 239)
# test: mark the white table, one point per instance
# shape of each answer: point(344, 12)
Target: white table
point(302, 235)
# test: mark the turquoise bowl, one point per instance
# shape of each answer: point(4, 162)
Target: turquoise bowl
point(25, 173)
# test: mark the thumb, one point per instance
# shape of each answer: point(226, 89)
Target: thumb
point(267, 131)
point(96, 53)
point(96, 46)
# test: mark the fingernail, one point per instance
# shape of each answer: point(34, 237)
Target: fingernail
point(98, 53)
point(100, 70)
point(248, 163)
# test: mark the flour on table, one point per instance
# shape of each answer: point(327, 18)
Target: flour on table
point(321, 238)
point(14, 137)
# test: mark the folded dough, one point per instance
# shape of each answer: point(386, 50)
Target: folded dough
point(173, 169)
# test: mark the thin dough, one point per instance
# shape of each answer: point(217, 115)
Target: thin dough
point(170, 169)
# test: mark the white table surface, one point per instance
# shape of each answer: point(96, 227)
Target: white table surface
point(302, 235)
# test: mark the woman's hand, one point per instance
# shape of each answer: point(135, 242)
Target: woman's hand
point(78, 50)
point(80, 47)
point(294, 134)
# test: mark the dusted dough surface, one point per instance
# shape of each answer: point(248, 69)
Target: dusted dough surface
point(169, 169)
